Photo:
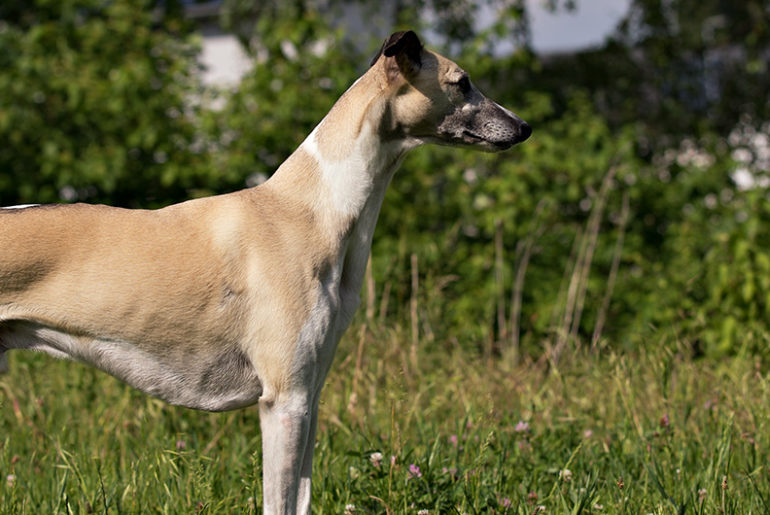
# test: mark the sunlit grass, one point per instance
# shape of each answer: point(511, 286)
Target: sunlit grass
point(442, 431)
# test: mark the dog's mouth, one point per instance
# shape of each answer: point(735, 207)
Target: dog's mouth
point(471, 138)
point(503, 145)
point(500, 139)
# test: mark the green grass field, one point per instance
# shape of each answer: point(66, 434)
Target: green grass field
point(436, 431)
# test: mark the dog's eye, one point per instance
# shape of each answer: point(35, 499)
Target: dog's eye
point(464, 84)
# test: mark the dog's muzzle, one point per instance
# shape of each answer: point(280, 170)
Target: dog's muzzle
point(487, 126)
point(501, 127)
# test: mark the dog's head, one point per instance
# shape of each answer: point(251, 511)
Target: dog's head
point(434, 101)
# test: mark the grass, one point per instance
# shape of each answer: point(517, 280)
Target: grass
point(442, 431)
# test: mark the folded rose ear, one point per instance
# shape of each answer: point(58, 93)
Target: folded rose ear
point(406, 48)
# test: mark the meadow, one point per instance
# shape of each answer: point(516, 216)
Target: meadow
point(434, 429)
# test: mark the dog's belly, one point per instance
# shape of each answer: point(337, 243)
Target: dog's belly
point(221, 380)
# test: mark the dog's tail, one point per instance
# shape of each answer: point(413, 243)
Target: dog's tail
point(3, 364)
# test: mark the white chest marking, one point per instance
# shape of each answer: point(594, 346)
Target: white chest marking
point(348, 182)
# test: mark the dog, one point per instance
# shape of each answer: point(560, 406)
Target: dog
point(240, 299)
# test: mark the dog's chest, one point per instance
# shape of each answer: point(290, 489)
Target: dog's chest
point(336, 299)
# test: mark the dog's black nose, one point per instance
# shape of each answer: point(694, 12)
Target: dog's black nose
point(525, 131)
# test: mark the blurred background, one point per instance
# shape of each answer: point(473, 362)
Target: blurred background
point(637, 214)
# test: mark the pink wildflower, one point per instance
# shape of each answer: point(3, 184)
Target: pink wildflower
point(414, 471)
point(521, 427)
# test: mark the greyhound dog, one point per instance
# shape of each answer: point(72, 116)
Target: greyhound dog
point(227, 301)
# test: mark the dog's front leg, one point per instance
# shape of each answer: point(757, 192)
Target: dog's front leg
point(306, 473)
point(286, 426)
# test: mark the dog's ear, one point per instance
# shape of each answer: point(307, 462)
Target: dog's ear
point(406, 48)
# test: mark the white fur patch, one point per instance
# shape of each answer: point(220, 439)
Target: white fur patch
point(347, 182)
point(22, 206)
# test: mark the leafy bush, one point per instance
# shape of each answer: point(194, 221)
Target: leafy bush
point(96, 104)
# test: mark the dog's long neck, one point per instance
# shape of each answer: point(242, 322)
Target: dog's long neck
point(342, 169)
point(347, 157)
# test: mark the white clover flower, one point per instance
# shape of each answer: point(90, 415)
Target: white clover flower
point(376, 458)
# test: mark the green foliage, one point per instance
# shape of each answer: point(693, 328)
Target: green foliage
point(95, 104)
point(676, 68)
point(723, 277)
